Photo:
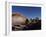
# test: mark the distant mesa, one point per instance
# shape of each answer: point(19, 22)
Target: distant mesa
point(18, 18)
point(18, 21)
point(18, 14)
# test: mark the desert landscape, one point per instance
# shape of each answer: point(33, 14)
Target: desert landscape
point(20, 22)
point(26, 18)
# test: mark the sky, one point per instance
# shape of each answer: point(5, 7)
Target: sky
point(30, 12)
